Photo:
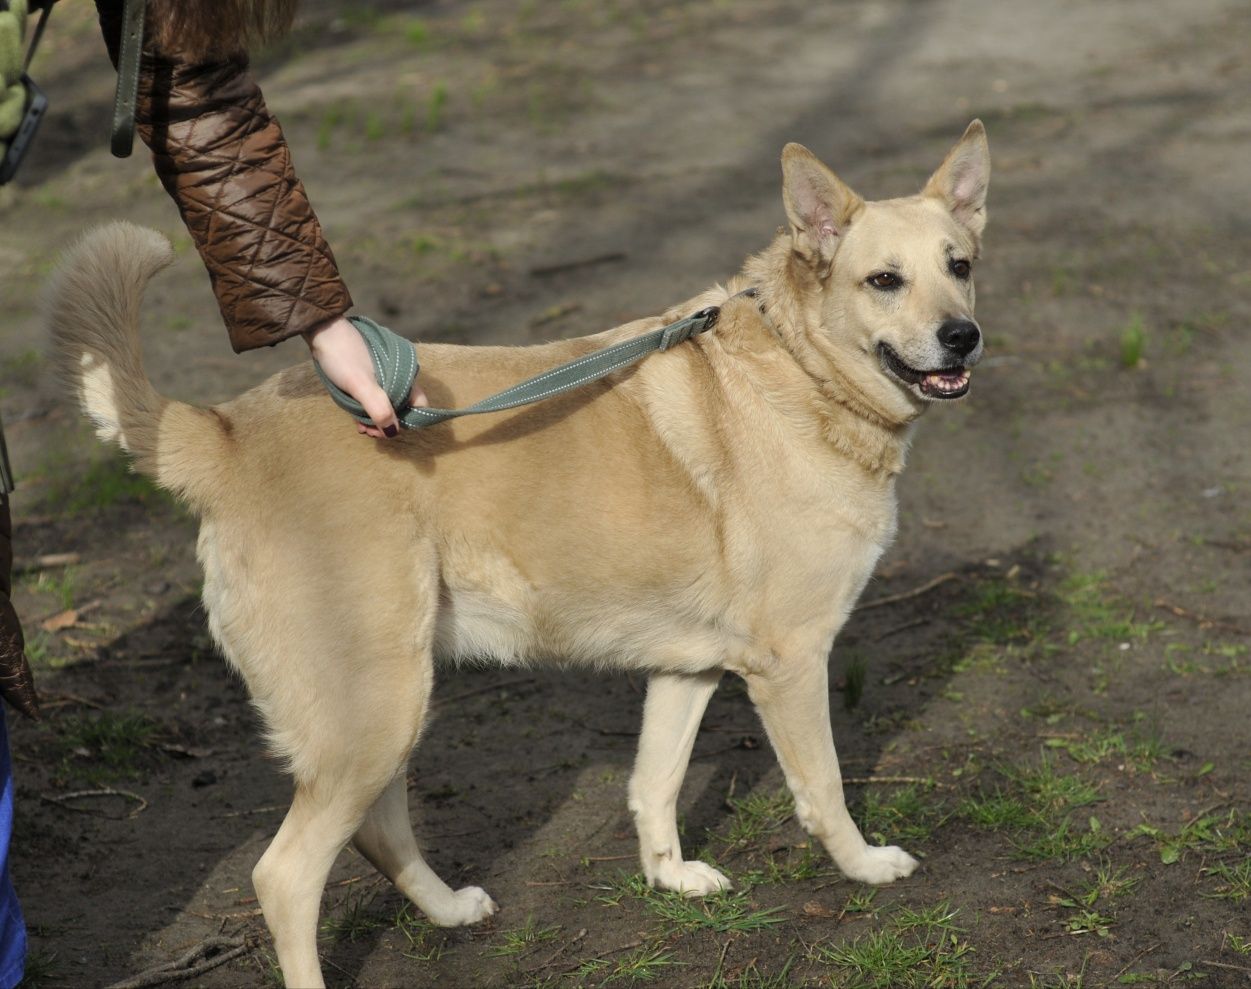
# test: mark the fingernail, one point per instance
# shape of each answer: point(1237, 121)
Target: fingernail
point(391, 432)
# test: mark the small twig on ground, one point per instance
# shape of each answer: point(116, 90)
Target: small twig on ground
point(721, 962)
point(252, 810)
point(610, 951)
point(902, 628)
point(481, 690)
point(606, 731)
point(559, 951)
point(925, 588)
point(206, 955)
point(223, 917)
point(555, 313)
point(547, 270)
point(62, 799)
point(1133, 961)
point(46, 562)
point(870, 780)
point(608, 858)
point(1201, 620)
point(1225, 965)
point(63, 700)
point(1237, 547)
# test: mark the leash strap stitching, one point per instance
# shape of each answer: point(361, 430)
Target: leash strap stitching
point(123, 140)
point(398, 352)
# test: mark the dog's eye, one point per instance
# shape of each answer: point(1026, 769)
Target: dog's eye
point(887, 281)
point(960, 268)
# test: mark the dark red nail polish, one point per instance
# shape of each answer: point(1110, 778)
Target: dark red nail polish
point(392, 432)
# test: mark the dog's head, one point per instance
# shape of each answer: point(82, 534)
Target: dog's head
point(896, 276)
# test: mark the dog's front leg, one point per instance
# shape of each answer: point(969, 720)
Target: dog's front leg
point(671, 714)
point(793, 699)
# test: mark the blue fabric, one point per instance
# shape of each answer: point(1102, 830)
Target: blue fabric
point(12, 927)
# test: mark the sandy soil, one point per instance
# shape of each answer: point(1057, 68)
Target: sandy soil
point(1058, 726)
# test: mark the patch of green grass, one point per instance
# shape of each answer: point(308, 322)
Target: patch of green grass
point(1208, 834)
point(752, 978)
point(1052, 791)
point(60, 585)
point(899, 813)
point(998, 611)
point(1234, 880)
point(1037, 811)
point(436, 105)
point(1239, 945)
point(520, 939)
point(861, 901)
point(417, 33)
point(722, 913)
point(616, 889)
point(1133, 338)
point(899, 958)
point(1088, 904)
point(758, 814)
point(425, 941)
point(106, 482)
point(41, 652)
point(789, 865)
point(644, 965)
point(21, 369)
point(42, 969)
point(110, 742)
point(997, 812)
point(1096, 613)
point(352, 921)
point(1141, 751)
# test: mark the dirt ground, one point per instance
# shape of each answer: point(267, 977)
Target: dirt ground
point(1048, 702)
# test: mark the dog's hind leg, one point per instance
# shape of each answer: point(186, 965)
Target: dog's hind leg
point(794, 703)
point(291, 874)
point(386, 839)
point(349, 748)
point(671, 714)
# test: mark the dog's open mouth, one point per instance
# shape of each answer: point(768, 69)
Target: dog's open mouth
point(948, 382)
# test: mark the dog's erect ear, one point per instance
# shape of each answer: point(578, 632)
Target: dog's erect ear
point(963, 178)
point(818, 203)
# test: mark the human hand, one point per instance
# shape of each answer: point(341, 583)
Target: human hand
point(344, 358)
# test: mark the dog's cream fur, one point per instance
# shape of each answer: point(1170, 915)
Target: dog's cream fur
point(719, 507)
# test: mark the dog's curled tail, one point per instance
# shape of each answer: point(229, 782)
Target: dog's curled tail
point(93, 308)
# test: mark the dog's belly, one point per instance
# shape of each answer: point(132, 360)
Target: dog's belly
point(623, 630)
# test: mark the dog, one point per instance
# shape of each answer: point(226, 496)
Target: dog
point(718, 507)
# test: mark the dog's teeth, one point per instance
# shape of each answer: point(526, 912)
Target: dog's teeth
point(946, 381)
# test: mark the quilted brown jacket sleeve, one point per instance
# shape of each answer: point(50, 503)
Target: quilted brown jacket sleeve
point(17, 686)
point(222, 156)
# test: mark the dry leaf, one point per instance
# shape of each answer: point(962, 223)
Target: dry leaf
point(64, 619)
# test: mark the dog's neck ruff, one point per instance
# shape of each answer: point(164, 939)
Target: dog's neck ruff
point(856, 427)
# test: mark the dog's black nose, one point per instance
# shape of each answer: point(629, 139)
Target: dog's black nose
point(959, 335)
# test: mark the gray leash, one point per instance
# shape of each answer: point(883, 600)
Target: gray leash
point(395, 364)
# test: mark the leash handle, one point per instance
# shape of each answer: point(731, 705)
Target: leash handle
point(124, 100)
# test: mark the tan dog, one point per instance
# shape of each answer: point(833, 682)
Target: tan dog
point(719, 507)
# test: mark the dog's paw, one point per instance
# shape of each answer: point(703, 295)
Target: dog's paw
point(465, 906)
point(880, 866)
point(692, 878)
